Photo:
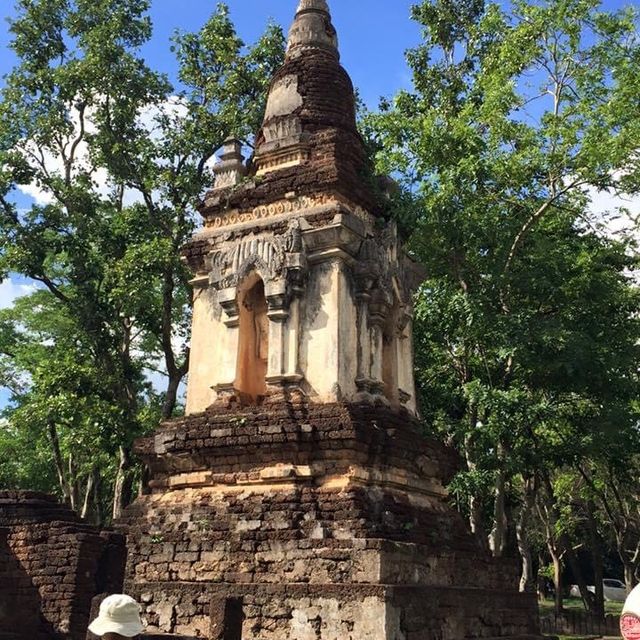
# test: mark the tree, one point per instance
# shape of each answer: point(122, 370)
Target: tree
point(120, 159)
point(525, 331)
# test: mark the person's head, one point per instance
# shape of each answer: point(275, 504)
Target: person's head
point(118, 618)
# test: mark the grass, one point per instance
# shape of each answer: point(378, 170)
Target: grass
point(576, 604)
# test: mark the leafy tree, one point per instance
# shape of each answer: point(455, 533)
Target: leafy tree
point(526, 337)
point(120, 158)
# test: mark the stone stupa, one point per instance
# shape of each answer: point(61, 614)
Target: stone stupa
point(297, 499)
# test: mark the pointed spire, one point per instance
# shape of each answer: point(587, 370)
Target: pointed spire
point(312, 29)
point(313, 5)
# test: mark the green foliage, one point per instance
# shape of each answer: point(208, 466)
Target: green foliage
point(527, 333)
point(120, 158)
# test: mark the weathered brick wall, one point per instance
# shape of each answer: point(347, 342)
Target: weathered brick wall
point(338, 163)
point(51, 566)
point(19, 598)
point(305, 513)
point(338, 612)
point(235, 444)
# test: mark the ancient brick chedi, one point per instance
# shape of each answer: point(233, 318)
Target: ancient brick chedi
point(297, 499)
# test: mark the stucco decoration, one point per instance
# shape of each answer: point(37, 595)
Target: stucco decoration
point(312, 27)
point(278, 260)
point(284, 98)
point(264, 255)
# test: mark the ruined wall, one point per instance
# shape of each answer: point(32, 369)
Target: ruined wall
point(51, 566)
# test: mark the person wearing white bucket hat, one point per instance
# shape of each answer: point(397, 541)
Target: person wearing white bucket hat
point(119, 617)
point(630, 618)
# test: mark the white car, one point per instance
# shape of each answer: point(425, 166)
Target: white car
point(614, 590)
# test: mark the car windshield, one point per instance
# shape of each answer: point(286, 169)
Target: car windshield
point(613, 583)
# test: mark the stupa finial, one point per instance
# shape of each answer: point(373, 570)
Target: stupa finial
point(312, 29)
point(309, 5)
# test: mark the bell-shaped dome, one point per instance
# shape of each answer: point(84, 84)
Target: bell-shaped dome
point(310, 93)
point(309, 142)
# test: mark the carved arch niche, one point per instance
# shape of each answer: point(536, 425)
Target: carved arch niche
point(258, 283)
point(253, 340)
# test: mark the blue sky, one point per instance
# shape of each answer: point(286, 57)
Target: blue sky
point(373, 34)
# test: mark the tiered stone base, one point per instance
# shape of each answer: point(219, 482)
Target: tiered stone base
point(307, 522)
point(342, 612)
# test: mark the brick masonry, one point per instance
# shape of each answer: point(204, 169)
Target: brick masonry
point(51, 566)
point(322, 521)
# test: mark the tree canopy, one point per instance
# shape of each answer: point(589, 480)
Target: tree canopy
point(119, 158)
point(527, 334)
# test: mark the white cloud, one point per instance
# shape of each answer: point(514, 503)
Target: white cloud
point(173, 109)
point(10, 290)
point(617, 215)
point(620, 213)
point(53, 163)
point(40, 196)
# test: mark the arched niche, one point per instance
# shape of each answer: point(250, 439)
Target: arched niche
point(253, 340)
point(390, 362)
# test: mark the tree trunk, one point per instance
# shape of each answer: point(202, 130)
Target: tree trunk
point(587, 596)
point(72, 479)
point(171, 395)
point(476, 520)
point(59, 462)
point(123, 484)
point(597, 553)
point(629, 574)
point(498, 536)
point(176, 373)
point(548, 514)
point(88, 495)
point(557, 580)
point(527, 582)
point(98, 517)
point(542, 580)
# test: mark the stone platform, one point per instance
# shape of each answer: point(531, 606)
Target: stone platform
point(310, 522)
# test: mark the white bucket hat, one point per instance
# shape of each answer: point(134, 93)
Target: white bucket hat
point(118, 614)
